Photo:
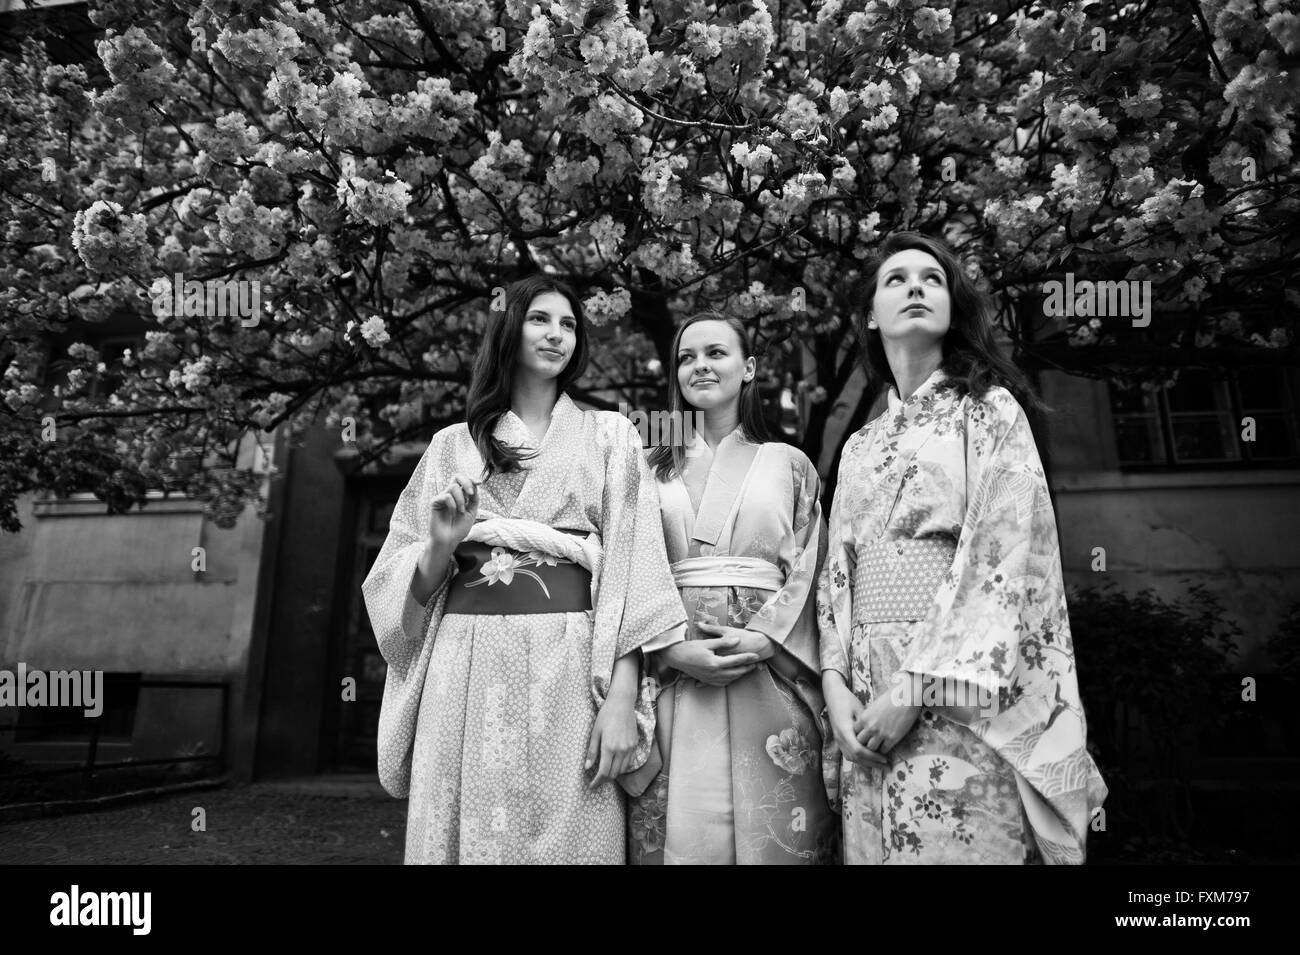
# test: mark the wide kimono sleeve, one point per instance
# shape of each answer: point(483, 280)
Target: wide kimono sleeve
point(404, 627)
point(789, 616)
point(999, 627)
point(834, 586)
point(636, 598)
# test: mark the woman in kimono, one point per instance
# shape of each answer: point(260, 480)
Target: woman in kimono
point(947, 663)
point(738, 715)
point(523, 570)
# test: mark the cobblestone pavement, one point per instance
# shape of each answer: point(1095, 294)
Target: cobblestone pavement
point(330, 820)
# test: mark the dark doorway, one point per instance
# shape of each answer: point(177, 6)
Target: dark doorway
point(351, 724)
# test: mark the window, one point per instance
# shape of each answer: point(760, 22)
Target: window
point(120, 697)
point(1197, 421)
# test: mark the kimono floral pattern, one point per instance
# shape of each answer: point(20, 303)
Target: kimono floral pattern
point(742, 779)
point(1015, 783)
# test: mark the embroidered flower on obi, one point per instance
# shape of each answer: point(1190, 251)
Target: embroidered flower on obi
point(501, 567)
point(504, 565)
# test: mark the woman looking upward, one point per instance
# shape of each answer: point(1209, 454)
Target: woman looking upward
point(946, 656)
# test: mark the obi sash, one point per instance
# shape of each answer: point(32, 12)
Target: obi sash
point(491, 579)
point(897, 579)
point(727, 572)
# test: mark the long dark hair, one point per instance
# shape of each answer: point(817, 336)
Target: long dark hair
point(970, 355)
point(494, 368)
point(669, 459)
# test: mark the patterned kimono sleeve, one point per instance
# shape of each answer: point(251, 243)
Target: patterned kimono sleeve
point(834, 586)
point(636, 599)
point(1003, 595)
point(399, 621)
point(1000, 626)
point(403, 626)
point(789, 616)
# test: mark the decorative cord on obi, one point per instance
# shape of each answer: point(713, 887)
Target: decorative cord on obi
point(727, 572)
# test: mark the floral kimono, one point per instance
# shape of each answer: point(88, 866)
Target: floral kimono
point(742, 779)
point(486, 717)
point(944, 569)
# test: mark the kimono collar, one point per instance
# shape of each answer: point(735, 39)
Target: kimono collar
point(553, 458)
point(700, 448)
point(511, 429)
point(896, 404)
point(727, 469)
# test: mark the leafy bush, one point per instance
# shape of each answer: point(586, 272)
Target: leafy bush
point(1152, 676)
point(1284, 646)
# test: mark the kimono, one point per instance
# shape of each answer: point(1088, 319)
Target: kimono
point(950, 489)
point(741, 780)
point(486, 717)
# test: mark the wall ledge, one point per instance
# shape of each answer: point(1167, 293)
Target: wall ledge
point(1083, 482)
point(81, 505)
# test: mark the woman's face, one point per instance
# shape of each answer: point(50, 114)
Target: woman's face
point(912, 301)
point(711, 364)
point(548, 337)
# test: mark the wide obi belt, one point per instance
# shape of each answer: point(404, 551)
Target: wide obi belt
point(727, 572)
point(508, 566)
point(897, 579)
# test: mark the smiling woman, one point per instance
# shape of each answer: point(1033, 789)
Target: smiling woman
point(539, 346)
point(523, 570)
point(738, 718)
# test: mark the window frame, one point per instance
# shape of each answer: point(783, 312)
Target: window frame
point(1229, 391)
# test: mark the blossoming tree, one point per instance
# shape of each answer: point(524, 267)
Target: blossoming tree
point(375, 170)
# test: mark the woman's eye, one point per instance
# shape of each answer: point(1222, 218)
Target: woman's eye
point(682, 359)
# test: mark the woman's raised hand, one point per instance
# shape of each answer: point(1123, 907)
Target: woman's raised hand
point(454, 512)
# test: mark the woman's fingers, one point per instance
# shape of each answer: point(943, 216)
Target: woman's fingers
point(733, 660)
point(620, 765)
point(718, 644)
point(860, 754)
point(458, 495)
point(603, 772)
point(870, 758)
point(732, 674)
point(593, 747)
point(853, 748)
point(470, 490)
